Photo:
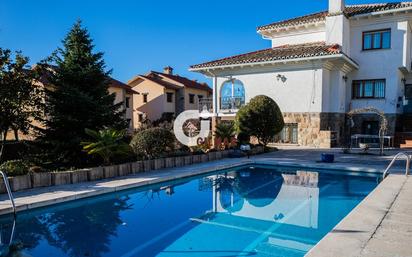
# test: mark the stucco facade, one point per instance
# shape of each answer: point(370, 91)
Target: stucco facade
point(315, 91)
point(165, 93)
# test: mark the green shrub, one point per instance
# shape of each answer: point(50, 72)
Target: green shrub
point(261, 118)
point(153, 143)
point(106, 143)
point(15, 168)
point(243, 138)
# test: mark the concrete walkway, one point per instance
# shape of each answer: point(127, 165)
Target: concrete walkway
point(355, 159)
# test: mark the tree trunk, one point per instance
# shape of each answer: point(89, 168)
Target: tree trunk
point(3, 143)
point(16, 135)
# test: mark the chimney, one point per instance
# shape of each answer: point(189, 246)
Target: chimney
point(336, 6)
point(168, 70)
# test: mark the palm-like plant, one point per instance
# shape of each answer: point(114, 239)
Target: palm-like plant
point(225, 132)
point(106, 144)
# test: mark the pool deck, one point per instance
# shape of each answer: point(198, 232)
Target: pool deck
point(380, 226)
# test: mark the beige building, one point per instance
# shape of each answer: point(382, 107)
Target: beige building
point(123, 93)
point(165, 94)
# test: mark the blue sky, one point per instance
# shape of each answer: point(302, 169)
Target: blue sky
point(138, 36)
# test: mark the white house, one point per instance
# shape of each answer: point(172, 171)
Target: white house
point(320, 67)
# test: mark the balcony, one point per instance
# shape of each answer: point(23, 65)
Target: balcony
point(206, 104)
point(231, 103)
point(227, 104)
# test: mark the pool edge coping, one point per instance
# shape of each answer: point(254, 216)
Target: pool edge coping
point(352, 234)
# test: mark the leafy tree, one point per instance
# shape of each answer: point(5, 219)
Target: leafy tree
point(106, 143)
point(78, 98)
point(261, 118)
point(152, 143)
point(20, 99)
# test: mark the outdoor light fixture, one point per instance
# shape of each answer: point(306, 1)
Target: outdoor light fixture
point(281, 78)
point(403, 80)
point(345, 78)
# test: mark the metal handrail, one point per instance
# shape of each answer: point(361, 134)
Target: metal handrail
point(395, 158)
point(6, 183)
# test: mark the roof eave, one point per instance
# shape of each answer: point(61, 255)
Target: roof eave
point(405, 9)
point(288, 27)
point(313, 58)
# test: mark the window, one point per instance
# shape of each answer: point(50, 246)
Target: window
point(232, 95)
point(169, 97)
point(191, 98)
point(200, 97)
point(129, 122)
point(288, 135)
point(127, 102)
point(368, 89)
point(380, 39)
point(144, 98)
point(140, 119)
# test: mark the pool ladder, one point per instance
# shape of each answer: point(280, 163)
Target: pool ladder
point(395, 158)
point(7, 185)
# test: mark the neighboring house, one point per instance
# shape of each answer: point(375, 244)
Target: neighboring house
point(123, 93)
point(320, 67)
point(166, 94)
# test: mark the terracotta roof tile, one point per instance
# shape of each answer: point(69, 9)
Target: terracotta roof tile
point(350, 11)
point(161, 82)
point(185, 81)
point(118, 84)
point(277, 53)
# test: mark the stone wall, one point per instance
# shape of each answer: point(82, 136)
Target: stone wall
point(322, 130)
point(333, 129)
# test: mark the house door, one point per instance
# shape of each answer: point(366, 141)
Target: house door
point(370, 128)
point(407, 105)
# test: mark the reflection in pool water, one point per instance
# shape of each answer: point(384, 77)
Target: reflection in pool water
point(245, 212)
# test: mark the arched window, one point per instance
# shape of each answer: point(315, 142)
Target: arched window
point(232, 95)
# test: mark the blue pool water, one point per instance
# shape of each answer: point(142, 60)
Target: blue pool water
point(248, 211)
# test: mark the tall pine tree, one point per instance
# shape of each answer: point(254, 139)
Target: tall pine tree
point(77, 99)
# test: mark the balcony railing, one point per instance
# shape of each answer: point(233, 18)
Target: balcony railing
point(231, 103)
point(206, 104)
point(226, 104)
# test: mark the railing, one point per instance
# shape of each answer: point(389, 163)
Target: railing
point(7, 185)
point(13, 229)
point(206, 104)
point(408, 163)
point(231, 103)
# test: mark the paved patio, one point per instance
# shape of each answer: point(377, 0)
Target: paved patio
point(380, 226)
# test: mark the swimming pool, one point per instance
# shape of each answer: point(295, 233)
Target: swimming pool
point(245, 211)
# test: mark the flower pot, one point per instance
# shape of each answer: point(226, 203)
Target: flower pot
point(95, 174)
point(41, 179)
point(19, 183)
point(111, 171)
point(124, 169)
point(79, 176)
point(136, 167)
point(61, 178)
point(159, 164)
